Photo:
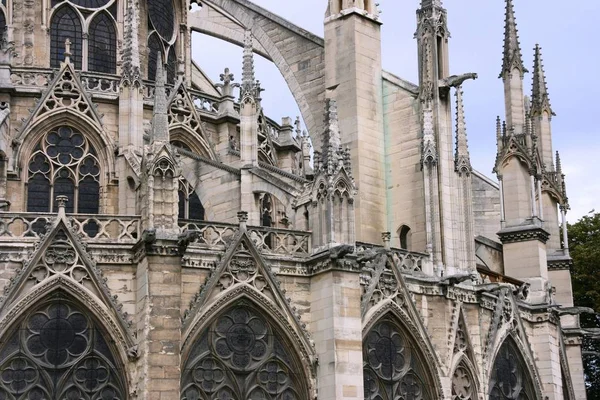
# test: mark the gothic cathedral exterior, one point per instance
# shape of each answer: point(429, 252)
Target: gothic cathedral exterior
point(162, 238)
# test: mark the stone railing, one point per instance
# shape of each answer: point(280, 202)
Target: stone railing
point(267, 240)
point(96, 84)
point(30, 78)
point(204, 102)
point(92, 227)
point(409, 262)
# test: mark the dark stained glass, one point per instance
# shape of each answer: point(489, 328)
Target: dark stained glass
point(84, 3)
point(2, 23)
point(182, 205)
point(162, 17)
point(510, 379)
point(392, 367)
point(196, 207)
point(38, 194)
point(172, 65)
point(241, 356)
point(155, 48)
point(57, 351)
point(65, 25)
point(102, 45)
point(65, 164)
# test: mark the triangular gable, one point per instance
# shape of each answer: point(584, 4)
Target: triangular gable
point(61, 261)
point(385, 290)
point(64, 93)
point(462, 344)
point(183, 114)
point(243, 271)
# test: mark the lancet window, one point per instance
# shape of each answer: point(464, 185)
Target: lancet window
point(241, 355)
point(57, 351)
point(162, 37)
point(510, 378)
point(392, 365)
point(190, 206)
point(90, 26)
point(3, 18)
point(64, 162)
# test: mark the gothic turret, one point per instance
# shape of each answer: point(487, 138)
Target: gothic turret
point(541, 110)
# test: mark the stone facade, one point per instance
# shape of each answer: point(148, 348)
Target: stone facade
point(161, 237)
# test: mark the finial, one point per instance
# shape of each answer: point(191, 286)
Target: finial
point(67, 53)
point(431, 3)
point(160, 122)
point(462, 157)
point(540, 99)
point(61, 203)
point(227, 78)
point(513, 59)
point(243, 219)
point(387, 238)
point(248, 77)
point(498, 127)
point(558, 164)
point(332, 130)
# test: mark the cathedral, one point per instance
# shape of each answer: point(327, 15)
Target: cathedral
point(163, 237)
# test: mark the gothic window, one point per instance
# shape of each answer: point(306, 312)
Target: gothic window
point(242, 356)
point(66, 24)
point(161, 37)
point(510, 378)
point(392, 366)
point(2, 19)
point(79, 21)
point(64, 163)
point(57, 351)
point(463, 386)
point(102, 42)
point(404, 236)
point(190, 206)
point(266, 210)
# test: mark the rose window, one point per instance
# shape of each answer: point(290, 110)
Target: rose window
point(392, 367)
point(240, 356)
point(58, 352)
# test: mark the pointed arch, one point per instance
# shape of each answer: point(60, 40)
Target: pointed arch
point(51, 348)
point(102, 44)
point(510, 375)
point(65, 24)
point(244, 340)
point(465, 385)
point(395, 365)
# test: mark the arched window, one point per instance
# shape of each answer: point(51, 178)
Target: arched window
point(57, 351)
point(241, 355)
point(404, 235)
point(266, 210)
point(190, 206)
point(102, 45)
point(510, 379)
point(2, 18)
point(65, 24)
point(64, 163)
point(100, 38)
point(161, 38)
point(393, 367)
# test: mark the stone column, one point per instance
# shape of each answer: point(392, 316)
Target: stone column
point(337, 332)
point(159, 320)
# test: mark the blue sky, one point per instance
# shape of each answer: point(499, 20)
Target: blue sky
point(566, 32)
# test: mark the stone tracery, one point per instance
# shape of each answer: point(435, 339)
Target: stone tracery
point(509, 376)
point(241, 355)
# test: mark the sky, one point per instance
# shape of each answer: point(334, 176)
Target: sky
point(570, 50)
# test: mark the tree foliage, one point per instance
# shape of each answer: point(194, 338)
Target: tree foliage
point(584, 244)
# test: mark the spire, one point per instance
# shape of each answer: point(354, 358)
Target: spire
point(131, 50)
point(462, 162)
point(540, 100)
point(512, 48)
point(331, 138)
point(248, 77)
point(558, 165)
point(160, 122)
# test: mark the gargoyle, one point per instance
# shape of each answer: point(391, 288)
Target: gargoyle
point(149, 236)
point(458, 278)
point(575, 311)
point(494, 287)
point(339, 252)
point(522, 292)
point(184, 240)
point(457, 80)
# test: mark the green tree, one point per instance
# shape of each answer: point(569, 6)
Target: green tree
point(584, 244)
